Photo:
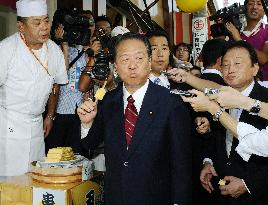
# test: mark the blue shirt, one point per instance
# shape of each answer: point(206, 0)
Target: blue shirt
point(70, 97)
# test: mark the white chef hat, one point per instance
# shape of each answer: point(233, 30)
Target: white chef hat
point(119, 30)
point(27, 8)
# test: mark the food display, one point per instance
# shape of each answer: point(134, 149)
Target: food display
point(60, 154)
point(61, 166)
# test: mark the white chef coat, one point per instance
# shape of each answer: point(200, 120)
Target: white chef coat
point(24, 90)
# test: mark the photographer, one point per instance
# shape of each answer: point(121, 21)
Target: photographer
point(66, 123)
point(100, 66)
point(255, 32)
point(103, 22)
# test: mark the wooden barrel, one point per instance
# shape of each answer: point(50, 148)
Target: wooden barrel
point(56, 175)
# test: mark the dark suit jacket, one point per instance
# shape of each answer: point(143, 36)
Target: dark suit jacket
point(156, 169)
point(255, 171)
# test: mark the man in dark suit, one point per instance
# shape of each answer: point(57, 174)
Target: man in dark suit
point(246, 182)
point(148, 156)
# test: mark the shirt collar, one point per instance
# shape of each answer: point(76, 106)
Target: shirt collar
point(163, 79)
point(211, 70)
point(248, 90)
point(138, 95)
point(259, 25)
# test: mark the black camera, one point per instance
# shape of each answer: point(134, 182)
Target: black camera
point(101, 69)
point(76, 27)
point(233, 14)
point(182, 93)
point(211, 91)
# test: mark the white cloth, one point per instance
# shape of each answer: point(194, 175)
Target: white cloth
point(263, 83)
point(24, 90)
point(163, 80)
point(119, 30)
point(27, 8)
point(251, 141)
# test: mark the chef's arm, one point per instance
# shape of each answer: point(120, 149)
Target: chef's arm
point(51, 108)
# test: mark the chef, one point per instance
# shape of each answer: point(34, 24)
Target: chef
point(31, 69)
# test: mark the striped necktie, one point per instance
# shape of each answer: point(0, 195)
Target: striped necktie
point(131, 116)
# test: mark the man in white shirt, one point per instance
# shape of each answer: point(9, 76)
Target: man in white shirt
point(146, 132)
point(30, 65)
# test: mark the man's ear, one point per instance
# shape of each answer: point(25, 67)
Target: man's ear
point(20, 26)
point(255, 69)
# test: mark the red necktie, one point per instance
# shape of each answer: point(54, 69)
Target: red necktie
point(131, 116)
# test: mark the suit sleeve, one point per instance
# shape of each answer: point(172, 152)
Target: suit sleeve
point(181, 153)
point(257, 181)
point(95, 133)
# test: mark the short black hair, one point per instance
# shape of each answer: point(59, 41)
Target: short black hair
point(212, 50)
point(133, 36)
point(103, 18)
point(161, 33)
point(22, 19)
point(243, 44)
point(157, 33)
point(83, 12)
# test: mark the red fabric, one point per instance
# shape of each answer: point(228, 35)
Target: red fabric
point(131, 116)
point(8, 3)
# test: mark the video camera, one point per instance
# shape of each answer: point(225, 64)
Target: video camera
point(234, 14)
point(76, 27)
point(101, 69)
point(265, 6)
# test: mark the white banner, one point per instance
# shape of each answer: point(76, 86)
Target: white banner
point(200, 35)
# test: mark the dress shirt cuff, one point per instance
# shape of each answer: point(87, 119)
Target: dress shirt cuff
point(84, 132)
point(208, 160)
point(246, 186)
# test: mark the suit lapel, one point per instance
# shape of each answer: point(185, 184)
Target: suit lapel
point(148, 109)
point(117, 115)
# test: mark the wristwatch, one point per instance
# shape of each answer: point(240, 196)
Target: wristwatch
point(217, 115)
point(256, 107)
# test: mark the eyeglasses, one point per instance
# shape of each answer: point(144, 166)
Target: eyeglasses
point(183, 49)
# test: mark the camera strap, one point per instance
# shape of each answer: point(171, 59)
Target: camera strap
point(76, 58)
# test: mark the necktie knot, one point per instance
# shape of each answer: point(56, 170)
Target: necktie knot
point(130, 99)
point(157, 81)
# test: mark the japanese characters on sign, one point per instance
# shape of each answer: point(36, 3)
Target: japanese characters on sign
point(200, 35)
